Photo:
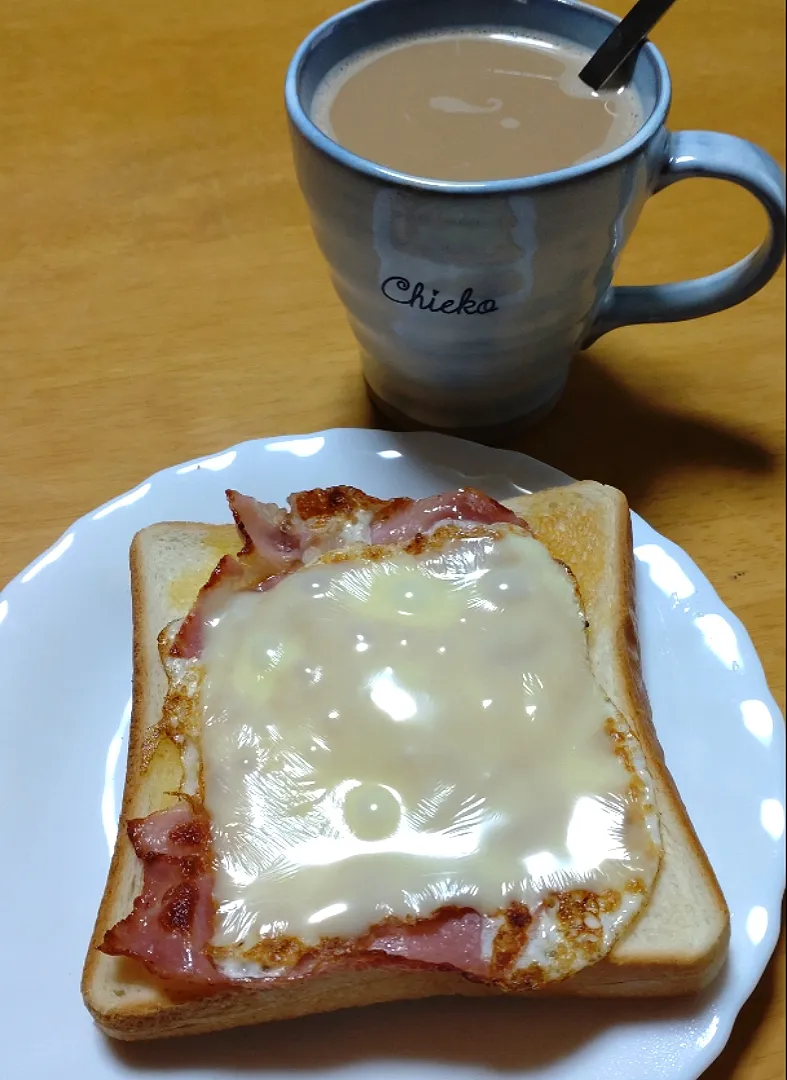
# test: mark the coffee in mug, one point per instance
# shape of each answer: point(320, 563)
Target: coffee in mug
point(473, 105)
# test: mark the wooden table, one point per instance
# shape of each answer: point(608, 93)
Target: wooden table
point(162, 297)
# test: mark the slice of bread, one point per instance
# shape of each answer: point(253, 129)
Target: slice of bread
point(676, 947)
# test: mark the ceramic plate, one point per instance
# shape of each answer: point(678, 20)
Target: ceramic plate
point(65, 652)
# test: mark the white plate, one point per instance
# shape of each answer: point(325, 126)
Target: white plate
point(64, 688)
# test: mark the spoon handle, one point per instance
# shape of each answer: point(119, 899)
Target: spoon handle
point(629, 33)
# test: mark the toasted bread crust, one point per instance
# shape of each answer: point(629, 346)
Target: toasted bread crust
point(676, 947)
point(566, 520)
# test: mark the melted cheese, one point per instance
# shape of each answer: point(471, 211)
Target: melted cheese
point(385, 737)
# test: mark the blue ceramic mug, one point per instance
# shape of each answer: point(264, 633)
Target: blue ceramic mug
point(469, 300)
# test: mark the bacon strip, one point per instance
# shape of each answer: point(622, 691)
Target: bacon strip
point(277, 541)
point(228, 578)
point(176, 833)
point(271, 547)
point(171, 923)
point(266, 528)
point(453, 941)
point(424, 515)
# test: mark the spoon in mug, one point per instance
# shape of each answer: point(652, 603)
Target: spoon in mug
point(624, 40)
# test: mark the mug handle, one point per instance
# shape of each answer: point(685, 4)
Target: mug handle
point(722, 157)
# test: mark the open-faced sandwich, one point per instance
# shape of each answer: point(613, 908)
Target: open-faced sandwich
point(387, 749)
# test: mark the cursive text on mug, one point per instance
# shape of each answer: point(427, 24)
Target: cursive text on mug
point(414, 296)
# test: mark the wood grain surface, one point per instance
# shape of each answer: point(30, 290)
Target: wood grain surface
point(162, 297)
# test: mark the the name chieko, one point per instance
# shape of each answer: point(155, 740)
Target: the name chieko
point(414, 296)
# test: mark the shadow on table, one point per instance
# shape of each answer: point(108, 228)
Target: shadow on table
point(501, 1036)
point(604, 430)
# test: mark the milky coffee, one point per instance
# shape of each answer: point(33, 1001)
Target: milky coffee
point(473, 105)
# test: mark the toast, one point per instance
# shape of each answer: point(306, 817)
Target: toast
point(677, 945)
